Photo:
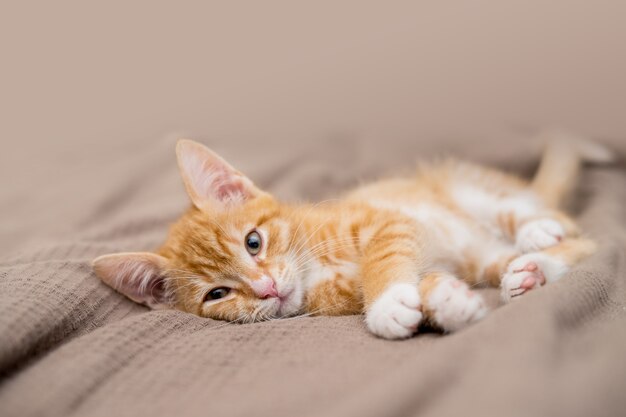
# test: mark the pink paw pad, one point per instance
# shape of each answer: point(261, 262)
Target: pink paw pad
point(533, 278)
point(528, 283)
point(529, 272)
point(530, 267)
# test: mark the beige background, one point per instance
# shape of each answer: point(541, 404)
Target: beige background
point(81, 82)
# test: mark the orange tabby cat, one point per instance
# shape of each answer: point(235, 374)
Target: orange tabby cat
point(402, 251)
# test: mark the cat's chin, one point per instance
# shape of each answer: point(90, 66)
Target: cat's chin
point(284, 311)
point(289, 300)
point(287, 304)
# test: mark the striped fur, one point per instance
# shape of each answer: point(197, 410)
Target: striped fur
point(402, 250)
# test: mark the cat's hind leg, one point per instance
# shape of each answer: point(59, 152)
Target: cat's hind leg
point(520, 218)
point(448, 303)
point(532, 270)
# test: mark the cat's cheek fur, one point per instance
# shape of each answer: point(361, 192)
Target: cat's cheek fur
point(396, 314)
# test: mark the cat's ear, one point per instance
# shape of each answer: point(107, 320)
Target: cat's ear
point(210, 180)
point(139, 276)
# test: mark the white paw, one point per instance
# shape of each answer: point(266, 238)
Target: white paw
point(454, 305)
point(530, 271)
point(396, 313)
point(539, 234)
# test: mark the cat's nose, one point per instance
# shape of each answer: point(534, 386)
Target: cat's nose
point(264, 287)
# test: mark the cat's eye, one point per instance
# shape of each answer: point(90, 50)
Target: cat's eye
point(217, 293)
point(253, 243)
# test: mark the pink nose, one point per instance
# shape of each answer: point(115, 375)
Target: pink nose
point(264, 287)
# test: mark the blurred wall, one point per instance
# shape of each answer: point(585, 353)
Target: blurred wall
point(86, 79)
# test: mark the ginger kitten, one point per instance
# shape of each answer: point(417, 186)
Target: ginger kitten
point(402, 251)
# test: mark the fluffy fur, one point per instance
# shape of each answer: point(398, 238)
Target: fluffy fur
point(402, 251)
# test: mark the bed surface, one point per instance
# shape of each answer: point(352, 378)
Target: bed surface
point(88, 168)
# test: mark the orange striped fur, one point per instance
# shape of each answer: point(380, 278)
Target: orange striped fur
point(402, 250)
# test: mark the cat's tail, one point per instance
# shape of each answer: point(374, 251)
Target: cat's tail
point(560, 164)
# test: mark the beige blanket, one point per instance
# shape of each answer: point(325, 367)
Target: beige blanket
point(72, 346)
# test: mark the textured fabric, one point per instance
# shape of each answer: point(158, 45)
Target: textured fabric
point(307, 106)
point(72, 346)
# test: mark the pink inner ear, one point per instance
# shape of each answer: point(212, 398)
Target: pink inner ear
point(151, 291)
point(211, 179)
point(138, 276)
point(222, 184)
point(234, 190)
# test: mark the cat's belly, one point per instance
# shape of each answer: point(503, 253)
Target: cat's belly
point(455, 241)
point(451, 237)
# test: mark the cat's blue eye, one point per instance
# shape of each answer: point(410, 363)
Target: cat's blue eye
point(253, 243)
point(217, 293)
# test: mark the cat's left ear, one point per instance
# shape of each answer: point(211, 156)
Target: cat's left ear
point(209, 179)
point(138, 275)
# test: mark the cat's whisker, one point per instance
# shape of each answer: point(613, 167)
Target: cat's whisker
point(348, 241)
point(309, 238)
point(303, 218)
point(362, 247)
point(313, 234)
point(314, 312)
point(327, 248)
point(324, 243)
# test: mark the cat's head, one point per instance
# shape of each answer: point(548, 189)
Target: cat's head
point(232, 256)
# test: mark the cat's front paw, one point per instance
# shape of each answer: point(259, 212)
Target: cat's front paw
point(530, 271)
point(453, 305)
point(396, 313)
point(539, 234)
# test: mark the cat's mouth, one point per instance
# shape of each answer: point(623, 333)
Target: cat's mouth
point(285, 302)
point(285, 295)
